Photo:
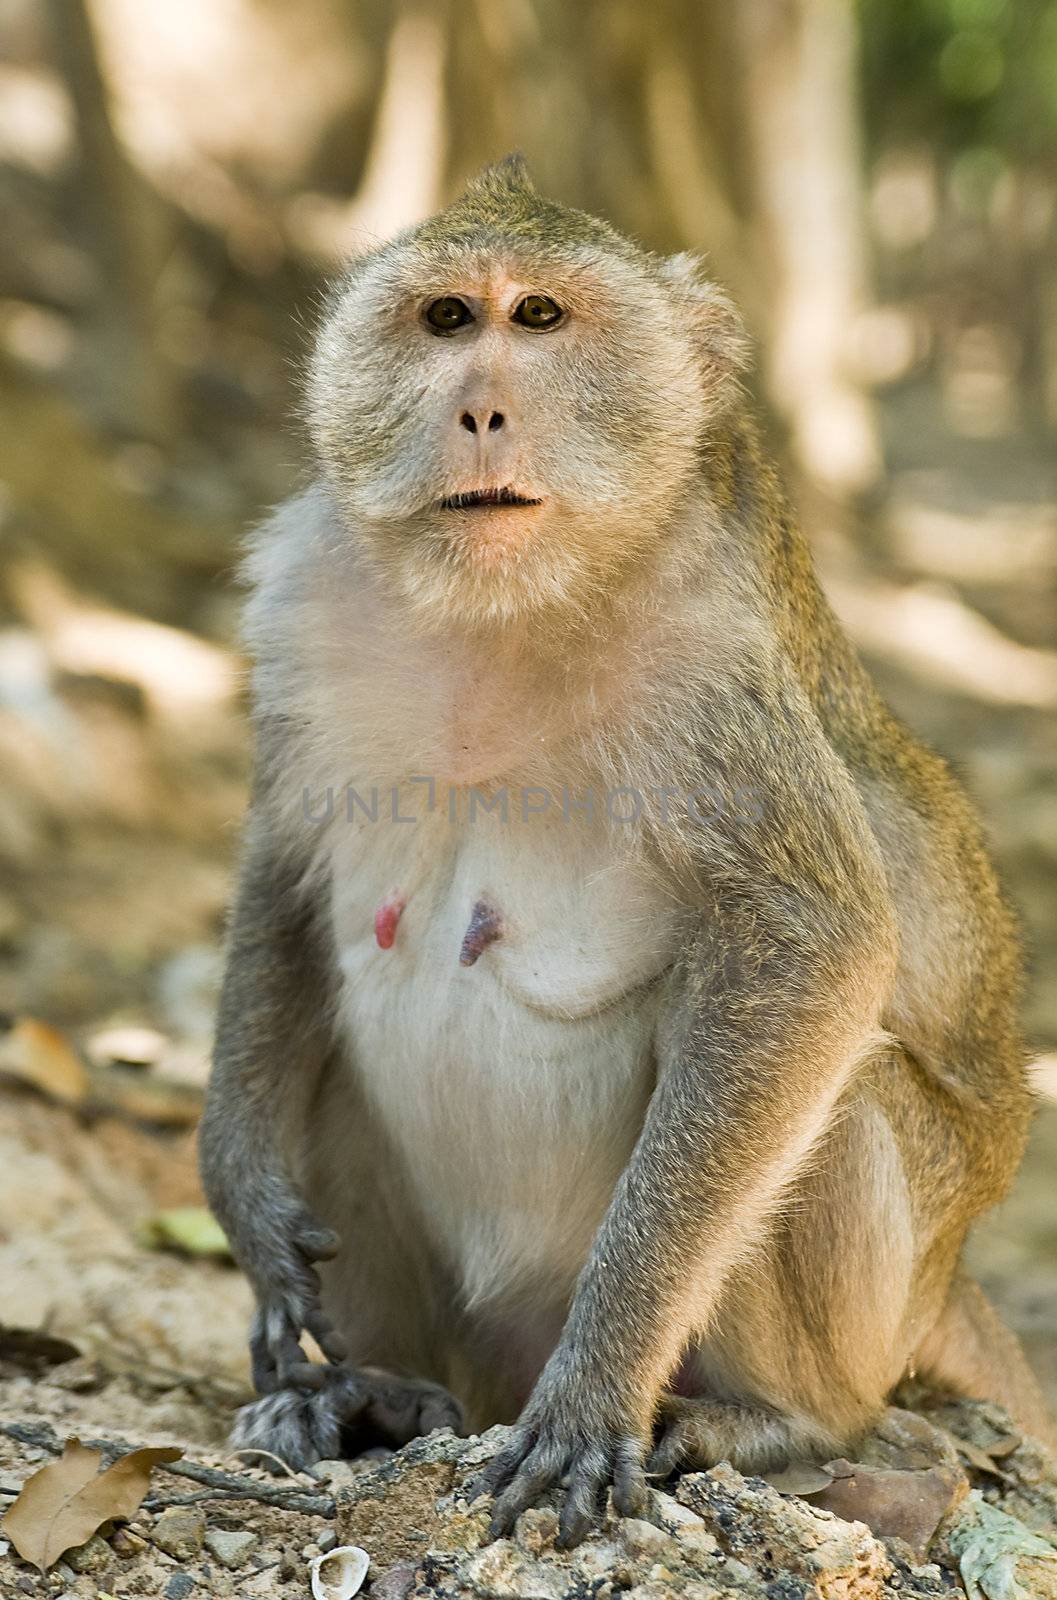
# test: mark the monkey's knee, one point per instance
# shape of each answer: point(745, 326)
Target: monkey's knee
point(816, 1326)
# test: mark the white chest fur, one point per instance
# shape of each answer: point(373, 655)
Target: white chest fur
point(503, 1082)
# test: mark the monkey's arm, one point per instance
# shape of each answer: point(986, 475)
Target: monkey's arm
point(775, 1001)
point(271, 1041)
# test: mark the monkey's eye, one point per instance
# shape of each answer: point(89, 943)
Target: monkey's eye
point(537, 311)
point(448, 313)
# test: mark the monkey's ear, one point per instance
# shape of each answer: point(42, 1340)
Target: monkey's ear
point(713, 321)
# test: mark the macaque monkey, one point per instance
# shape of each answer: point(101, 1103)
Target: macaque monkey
point(619, 1031)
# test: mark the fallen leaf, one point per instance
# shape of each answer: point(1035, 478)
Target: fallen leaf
point(982, 1460)
point(67, 1501)
point(33, 1351)
point(799, 1477)
point(895, 1504)
point(339, 1574)
point(190, 1230)
point(41, 1056)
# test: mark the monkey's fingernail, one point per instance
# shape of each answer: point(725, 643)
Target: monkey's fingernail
point(486, 925)
point(386, 918)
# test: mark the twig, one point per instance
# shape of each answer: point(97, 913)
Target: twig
point(255, 1572)
point(229, 1485)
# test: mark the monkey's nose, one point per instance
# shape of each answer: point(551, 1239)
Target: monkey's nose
point(482, 420)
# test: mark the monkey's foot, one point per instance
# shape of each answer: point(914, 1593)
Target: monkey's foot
point(352, 1409)
point(694, 1433)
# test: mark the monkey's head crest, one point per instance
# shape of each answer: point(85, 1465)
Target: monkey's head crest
point(509, 402)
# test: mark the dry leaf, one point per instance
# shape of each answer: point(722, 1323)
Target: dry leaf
point(895, 1504)
point(67, 1501)
point(339, 1574)
point(799, 1477)
point(982, 1460)
point(40, 1055)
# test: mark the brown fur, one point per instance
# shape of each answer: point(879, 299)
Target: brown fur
point(755, 1071)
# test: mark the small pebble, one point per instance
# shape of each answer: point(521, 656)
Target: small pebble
point(231, 1549)
point(127, 1544)
point(94, 1554)
point(179, 1586)
point(179, 1531)
point(327, 1540)
point(310, 1551)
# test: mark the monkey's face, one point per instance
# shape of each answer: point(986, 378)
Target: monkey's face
point(509, 415)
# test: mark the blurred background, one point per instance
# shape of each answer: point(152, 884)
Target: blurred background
point(876, 181)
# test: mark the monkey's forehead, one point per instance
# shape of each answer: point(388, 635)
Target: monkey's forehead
point(497, 264)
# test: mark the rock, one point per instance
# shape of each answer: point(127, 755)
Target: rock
point(92, 1556)
point(231, 1549)
point(327, 1540)
point(179, 1531)
point(723, 1536)
point(341, 1473)
point(126, 1544)
point(179, 1586)
point(396, 1584)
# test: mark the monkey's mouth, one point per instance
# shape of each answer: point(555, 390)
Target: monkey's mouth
point(475, 499)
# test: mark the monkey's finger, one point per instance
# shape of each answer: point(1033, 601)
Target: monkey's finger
point(267, 1328)
point(585, 1497)
point(441, 1410)
point(305, 1374)
point(669, 1451)
point(291, 1361)
point(540, 1470)
point(499, 1471)
point(317, 1242)
point(630, 1493)
point(262, 1365)
point(332, 1344)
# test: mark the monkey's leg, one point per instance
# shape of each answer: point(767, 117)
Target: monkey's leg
point(971, 1351)
point(817, 1325)
point(852, 1289)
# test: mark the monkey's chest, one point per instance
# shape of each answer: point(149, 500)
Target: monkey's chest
point(500, 989)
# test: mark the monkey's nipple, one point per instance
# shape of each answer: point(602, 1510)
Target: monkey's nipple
point(486, 925)
point(386, 918)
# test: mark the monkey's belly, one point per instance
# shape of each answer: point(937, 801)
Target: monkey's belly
point(501, 1082)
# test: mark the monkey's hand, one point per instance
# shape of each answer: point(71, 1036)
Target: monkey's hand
point(575, 1428)
point(281, 1265)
